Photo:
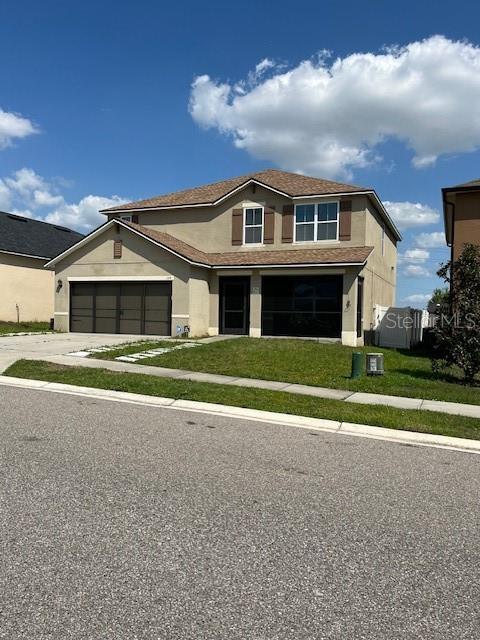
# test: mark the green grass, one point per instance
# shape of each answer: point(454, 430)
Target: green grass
point(132, 347)
point(278, 401)
point(14, 327)
point(407, 373)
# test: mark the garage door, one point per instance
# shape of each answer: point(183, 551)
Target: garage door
point(121, 307)
point(302, 306)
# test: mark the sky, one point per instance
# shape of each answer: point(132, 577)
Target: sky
point(103, 102)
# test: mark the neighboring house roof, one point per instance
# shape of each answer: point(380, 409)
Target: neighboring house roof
point(449, 197)
point(34, 238)
point(291, 184)
point(465, 185)
point(290, 257)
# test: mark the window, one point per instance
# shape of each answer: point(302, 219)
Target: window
point(126, 218)
point(316, 222)
point(253, 225)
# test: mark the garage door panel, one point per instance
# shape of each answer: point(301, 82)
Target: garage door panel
point(121, 307)
point(82, 324)
point(106, 325)
point(130, 326)
point(157, 328)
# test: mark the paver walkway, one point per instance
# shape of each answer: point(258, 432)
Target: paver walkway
point(399, 402)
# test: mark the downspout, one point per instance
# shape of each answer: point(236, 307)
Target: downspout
point(452, 244)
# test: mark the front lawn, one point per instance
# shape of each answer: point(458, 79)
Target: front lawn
point(278, 401)
point(325, 365)
point(21, 327)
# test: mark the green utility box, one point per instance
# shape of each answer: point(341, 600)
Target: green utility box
point(357, 364)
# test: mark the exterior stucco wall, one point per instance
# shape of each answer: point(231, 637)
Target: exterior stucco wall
point(210, 228)
point(139, 259)
point(380, 272)
point(25, 282)
point(467, 221)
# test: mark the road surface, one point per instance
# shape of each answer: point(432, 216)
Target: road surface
point(124, 522)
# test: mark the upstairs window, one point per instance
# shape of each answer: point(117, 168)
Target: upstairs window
point(316, 222)
point(253, 225)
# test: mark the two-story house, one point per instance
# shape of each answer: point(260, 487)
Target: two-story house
point(461, 214)
point(266, 254)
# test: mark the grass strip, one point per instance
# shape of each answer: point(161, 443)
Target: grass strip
point(407, 373)
point(14, 327)
point(277, 401)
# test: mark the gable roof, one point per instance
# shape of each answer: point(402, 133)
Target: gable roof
point(291, 257)
point(290, 184)
point(34, 238)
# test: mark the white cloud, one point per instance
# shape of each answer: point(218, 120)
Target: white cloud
point(410, 214)
point(414, 256)
point(28, 194)
point(325, 117)
point(416, 271)
point(14, 126)
point(432, 240)
point(418, 298)
point(83, 215)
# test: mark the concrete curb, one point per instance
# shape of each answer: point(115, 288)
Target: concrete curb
point(301, 422)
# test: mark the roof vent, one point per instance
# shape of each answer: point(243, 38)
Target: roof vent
point(10, 215)
point(63, 229)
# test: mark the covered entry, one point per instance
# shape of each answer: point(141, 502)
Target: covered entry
point(121, 307)
point(302, 306)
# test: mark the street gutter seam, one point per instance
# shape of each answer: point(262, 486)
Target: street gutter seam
point(303, 422)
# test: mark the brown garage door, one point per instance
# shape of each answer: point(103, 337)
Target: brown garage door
point(121, 307)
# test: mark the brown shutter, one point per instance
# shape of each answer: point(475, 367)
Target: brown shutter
point(135, 218)
point(268, 225)
point(117, 248)
point(287, 223)
point(345, 222)
point(237, 226)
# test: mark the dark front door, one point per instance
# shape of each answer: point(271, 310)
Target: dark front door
point(121, 307)
point(235, 305)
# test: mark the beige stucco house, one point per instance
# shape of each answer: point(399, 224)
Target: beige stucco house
point(26, 288)
point(266, 254)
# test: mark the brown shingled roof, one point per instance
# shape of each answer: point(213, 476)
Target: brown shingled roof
point(336, 255)
point(292, 184)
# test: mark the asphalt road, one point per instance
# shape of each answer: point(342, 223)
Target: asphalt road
point(127, 522)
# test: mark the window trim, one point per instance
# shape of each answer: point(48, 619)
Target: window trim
point(316, 222)
point(253, 226)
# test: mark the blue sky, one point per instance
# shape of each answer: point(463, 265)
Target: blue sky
point(102, 101)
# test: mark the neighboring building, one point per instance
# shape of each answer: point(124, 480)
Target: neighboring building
point(269, 253)
point(461, 210)
point(27, 289)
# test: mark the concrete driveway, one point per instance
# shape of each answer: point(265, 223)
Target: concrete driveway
point(14, 348)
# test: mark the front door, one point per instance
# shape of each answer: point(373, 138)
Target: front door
point(235, 305)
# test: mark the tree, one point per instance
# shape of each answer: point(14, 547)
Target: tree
point(458, 330)
point(440, 296)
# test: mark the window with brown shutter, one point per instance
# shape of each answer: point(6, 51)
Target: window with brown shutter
point(237, 226)
point(287, 223)
point(117, 248)
point(345, 220)
point(268, 225)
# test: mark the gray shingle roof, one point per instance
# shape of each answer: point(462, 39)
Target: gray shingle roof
point(292, 184)
point(33, 237)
